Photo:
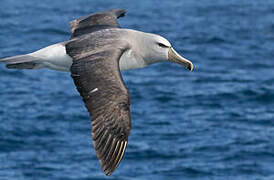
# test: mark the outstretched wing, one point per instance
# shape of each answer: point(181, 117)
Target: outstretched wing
point(98, 80)
point(95, 22)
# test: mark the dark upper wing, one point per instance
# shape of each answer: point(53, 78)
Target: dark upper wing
point(98, 80)
point(95, 22)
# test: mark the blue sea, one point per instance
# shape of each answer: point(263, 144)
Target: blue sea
point(215, 123)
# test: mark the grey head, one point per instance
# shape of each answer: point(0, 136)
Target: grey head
point(150, 48)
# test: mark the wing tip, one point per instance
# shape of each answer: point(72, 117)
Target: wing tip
point(116, 12)
point(109, 167)
point(119, 12)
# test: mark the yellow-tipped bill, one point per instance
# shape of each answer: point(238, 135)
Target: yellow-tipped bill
point(173, 56)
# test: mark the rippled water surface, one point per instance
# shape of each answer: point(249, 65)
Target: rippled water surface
point(214, 123)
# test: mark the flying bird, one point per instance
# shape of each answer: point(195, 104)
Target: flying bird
point(94, 55)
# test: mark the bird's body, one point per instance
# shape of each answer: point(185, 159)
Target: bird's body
point(95, 54)
point(56, 57)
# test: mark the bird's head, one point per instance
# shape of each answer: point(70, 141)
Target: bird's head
point(159, 49)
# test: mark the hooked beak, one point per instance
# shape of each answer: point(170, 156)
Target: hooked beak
point(173, 56)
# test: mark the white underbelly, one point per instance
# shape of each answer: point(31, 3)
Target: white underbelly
point(54, 57)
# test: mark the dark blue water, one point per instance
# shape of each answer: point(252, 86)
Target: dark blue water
point(214, 123)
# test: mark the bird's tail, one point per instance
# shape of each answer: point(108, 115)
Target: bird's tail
point(26, 61)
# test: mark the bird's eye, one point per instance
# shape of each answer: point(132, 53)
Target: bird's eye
point(162, 45)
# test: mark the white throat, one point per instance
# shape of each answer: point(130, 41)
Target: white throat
point(129, 60)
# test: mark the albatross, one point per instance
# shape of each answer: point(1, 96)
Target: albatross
point(94, 55)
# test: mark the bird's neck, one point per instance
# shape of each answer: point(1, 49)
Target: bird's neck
point(139, 54)
point(130, 60)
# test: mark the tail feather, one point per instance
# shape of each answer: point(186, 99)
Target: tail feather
point(21, 62)
point(53, 57)
point(25, 65)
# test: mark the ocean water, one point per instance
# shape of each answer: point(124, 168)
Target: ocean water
point(216, 122)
